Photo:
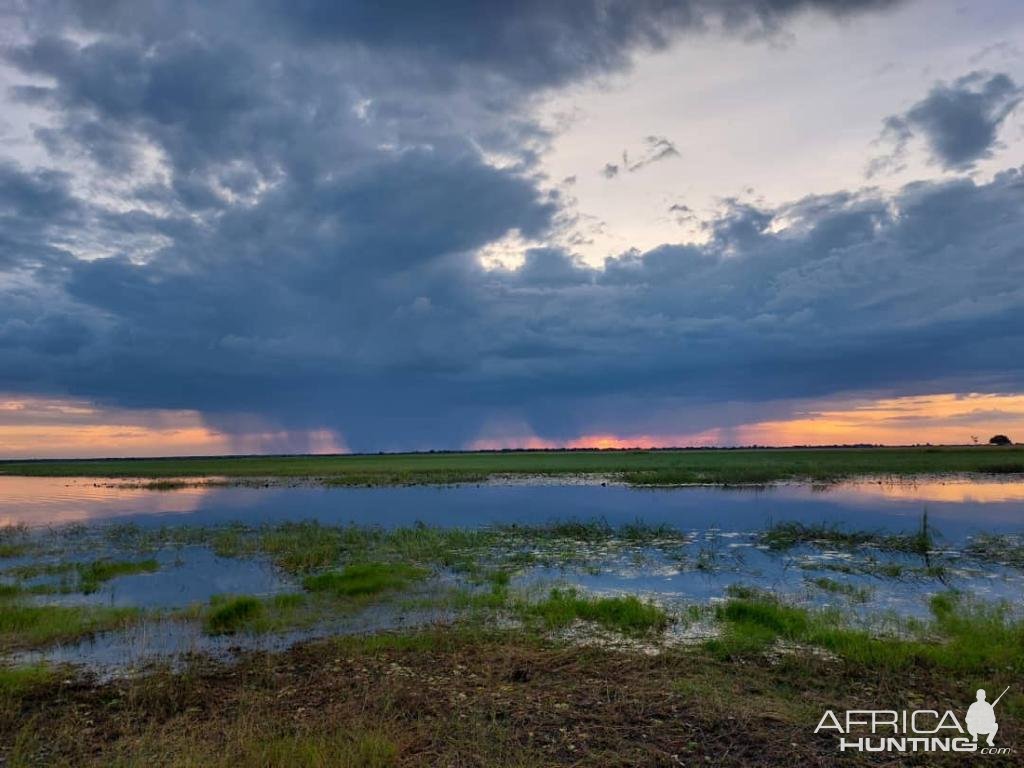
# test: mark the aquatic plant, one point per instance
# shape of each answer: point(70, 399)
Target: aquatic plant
point(963, 636)
point(627, 614)
point(229, 615)
point(856, 593)
point(1007, 549)
point(92, 575)
point(786, 535)
point(360, 579)
point(27, 626)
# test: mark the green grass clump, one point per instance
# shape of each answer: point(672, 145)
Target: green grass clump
point(963, 637)
point(15, 681)
point(13, 549)
point(998, 548)
point(303, 547)
point(232, 614)
point(308, 546)
point(493, 598)
point(319, 750)
point(232, 541)
point(10, 590)
point(627, 614)
point(789, 534)
point(360, 579)
point(852, 591)
point(83, 577)
point(26, 626)
point(91, 576)
point(14, 540)
point(260, 738)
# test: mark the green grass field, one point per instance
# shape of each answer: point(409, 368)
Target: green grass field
point(639, 467)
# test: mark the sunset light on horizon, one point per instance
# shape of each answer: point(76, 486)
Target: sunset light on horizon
point(51, 428)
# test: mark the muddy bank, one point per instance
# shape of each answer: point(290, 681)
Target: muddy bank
point(445, 697)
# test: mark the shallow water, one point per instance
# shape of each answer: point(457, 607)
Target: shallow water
point(172, 641)
point(721, 547)
point(959, 506)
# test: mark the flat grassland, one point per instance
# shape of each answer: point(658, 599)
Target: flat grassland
point(638, 467)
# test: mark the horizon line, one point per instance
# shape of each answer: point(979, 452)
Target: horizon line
point(564, 449)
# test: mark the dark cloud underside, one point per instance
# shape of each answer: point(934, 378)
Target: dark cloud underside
point(959, 122)
point(302, 189)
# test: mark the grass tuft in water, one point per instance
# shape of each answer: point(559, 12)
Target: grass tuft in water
point(493, 598)
point(787, 535)
point(28, 626)
point(963, 637)
point(303, 547)
point(852, 591)
point(627, 614)
point(92, 576)
point(14, 540)
point(359, 579)
point(1005, 549)
point(232, 614)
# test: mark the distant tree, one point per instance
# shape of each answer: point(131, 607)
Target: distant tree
point(1000, 440)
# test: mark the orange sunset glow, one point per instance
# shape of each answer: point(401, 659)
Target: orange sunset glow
point(41, 428)
point(56, 428)
point(938, 419)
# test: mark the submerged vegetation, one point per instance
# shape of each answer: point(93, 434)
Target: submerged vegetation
point(514, 665)
point(1005, 549)
point(92, 575)
point(359, 579)
point(85, 577)
point(638, 467)
point(964, 637)
point(231, 614)
point(787, 535)
point(28, 626)
point(327, 572)
point(852, 591)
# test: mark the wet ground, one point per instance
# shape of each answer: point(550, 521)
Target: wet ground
point(717, 543)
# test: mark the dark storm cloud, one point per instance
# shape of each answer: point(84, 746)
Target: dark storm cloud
point(280, 213)
point(853, 294)
point(532, 43)
point(959, 122)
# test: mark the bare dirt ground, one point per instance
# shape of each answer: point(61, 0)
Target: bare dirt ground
point(442, 699)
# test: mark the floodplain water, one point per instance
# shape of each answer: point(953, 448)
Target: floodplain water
point(721, 546)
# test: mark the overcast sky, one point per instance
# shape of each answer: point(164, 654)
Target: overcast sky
point(323, 226)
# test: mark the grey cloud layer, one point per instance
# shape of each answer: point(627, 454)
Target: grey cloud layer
point(959, 121)
point(300, 199)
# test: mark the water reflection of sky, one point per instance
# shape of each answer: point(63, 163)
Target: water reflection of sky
point(956, 506)
point(721, 547)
